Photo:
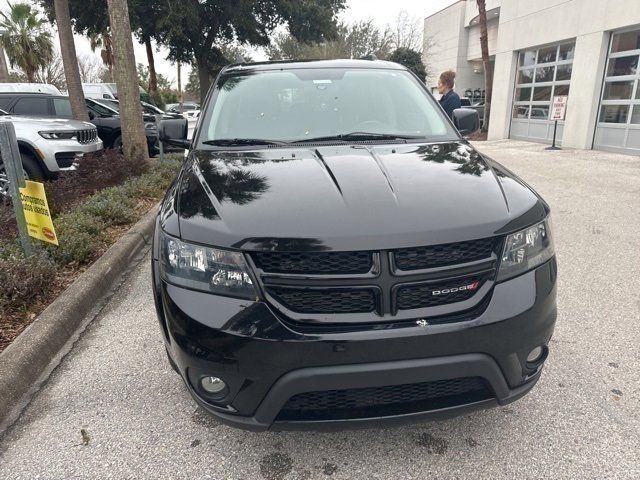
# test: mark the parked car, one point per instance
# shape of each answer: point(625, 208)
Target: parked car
point(29, 87)
point(99, 90)
point(334, 250)
point(186, 107)
point(49, 145)
point(110, 91)
point(149, 111)
point(106, 119)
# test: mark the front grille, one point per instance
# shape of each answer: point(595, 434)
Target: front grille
point(86, 135)
point(385, 401)
point(325, 300)
point(384, 283)
point(443, 255)
point(431, 295)
point(314, 262)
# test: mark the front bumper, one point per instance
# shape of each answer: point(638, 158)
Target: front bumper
point(55, 154)
point(265, 360)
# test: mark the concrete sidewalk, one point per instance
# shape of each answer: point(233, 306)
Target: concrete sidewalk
point(581, 421)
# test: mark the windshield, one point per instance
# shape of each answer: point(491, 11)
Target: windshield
point(303, 104)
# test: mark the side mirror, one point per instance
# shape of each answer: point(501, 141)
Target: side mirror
point(91, 115)
point(466, 120)
point(174, 132)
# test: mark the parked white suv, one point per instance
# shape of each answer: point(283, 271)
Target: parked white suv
point(49, 145)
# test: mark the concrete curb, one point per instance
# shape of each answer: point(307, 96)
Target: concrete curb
point(30, 358)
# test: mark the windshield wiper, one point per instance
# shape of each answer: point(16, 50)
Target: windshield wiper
point(359, 136)
point(230, 142)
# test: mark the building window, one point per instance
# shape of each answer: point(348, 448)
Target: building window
point(620, 93)
point(542, 74)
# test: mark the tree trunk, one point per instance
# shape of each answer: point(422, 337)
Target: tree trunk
point(134, 141)
point(180, 99)
point(70, 61)
point(205, 78)
point(4, 69)
point(488, 69)
point(153, 79)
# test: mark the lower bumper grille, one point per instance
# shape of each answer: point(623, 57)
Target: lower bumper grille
point(385, 401)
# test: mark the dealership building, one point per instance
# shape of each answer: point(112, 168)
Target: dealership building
point(587, 50)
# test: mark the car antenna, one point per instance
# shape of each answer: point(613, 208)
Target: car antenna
point(369, 56)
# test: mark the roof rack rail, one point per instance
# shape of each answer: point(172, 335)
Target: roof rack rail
point(369, 56)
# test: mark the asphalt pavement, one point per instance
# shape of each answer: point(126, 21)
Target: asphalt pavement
point(115, 409)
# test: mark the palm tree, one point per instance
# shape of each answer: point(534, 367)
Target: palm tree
point(103, 41)
point(488, 69)
point(134, 141)
point(70, 61)
point(26, 40)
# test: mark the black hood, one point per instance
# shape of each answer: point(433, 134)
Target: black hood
point(347, 197)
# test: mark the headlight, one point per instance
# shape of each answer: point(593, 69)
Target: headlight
point(526, 249)
point(150, 126)
point(58, 135)
point(212, 270)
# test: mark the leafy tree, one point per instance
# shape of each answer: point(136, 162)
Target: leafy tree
point(351, 41)
point(70, 60)
point(194, 31)
point(27, 41)
point(410, 59)
point(103, 41)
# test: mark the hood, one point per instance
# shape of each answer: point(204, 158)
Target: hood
point(48, 122)
point(348, 197)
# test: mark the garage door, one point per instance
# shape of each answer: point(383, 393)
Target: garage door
point(542, 73)
point(618, 127)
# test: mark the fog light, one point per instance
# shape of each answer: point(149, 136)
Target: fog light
point(213, 385)
point(535, 355)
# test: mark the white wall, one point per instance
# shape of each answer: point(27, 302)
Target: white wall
point(525, 24)
point(448, 29)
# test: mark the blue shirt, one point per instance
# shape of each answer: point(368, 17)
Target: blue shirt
point(450, 102)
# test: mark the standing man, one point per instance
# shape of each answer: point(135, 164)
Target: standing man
point(450, 99)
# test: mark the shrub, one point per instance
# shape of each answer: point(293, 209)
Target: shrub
point(96, 171)
point(23, 279)
point(112, 206)
point(80, 235)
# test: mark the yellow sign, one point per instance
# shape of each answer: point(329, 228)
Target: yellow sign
point(36, 212)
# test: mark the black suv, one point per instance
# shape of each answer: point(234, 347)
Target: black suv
point(334, 251)
point(106, 120)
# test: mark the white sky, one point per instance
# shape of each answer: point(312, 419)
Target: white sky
point(382, 12)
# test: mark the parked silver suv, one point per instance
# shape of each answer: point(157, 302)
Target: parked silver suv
point(49, 145)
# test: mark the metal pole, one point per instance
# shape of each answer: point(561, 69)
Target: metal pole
point(15, 175)
point(553, 145)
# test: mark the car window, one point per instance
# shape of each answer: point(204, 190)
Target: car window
point(32, 106)
point(308, 103)
point(4, 103)
point(62, 107)
point(101, 109)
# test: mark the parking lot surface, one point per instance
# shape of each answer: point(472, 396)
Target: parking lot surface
point(115, 409)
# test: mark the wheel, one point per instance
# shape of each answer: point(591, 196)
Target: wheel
point(30, 169)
